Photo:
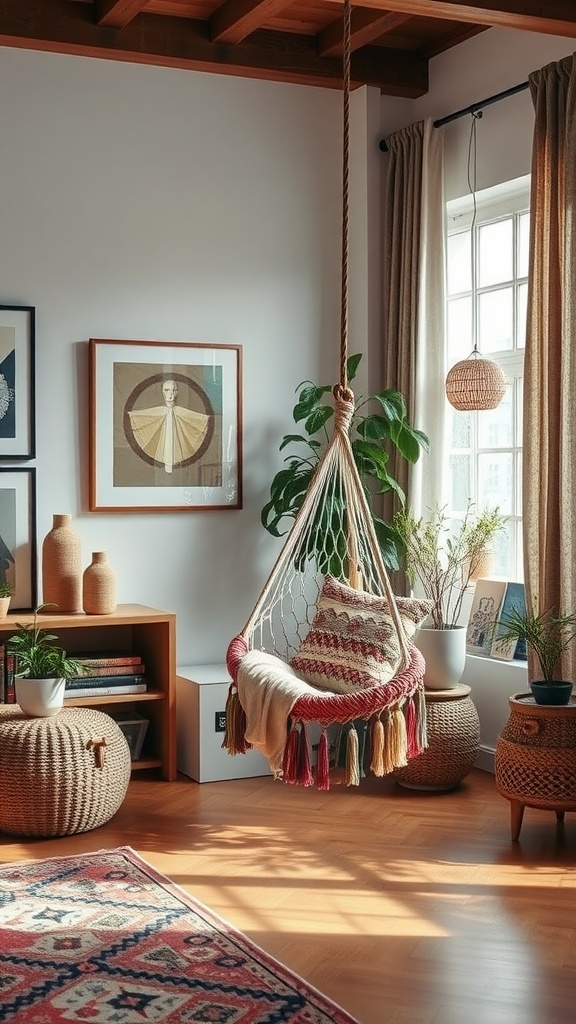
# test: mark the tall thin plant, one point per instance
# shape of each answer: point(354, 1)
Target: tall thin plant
point(444, 556)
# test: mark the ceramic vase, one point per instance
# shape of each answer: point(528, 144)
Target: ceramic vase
point(40, 698)
point(62, 566)
point(99, 586)
point(444, 652)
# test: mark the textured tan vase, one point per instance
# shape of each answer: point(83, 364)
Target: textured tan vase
point(99, 586)
point(62, 566)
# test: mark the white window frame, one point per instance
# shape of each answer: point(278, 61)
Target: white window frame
point(489, 206)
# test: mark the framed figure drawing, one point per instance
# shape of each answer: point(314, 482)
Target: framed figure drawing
point(18, 535)
point(165, 426)
point(17, 413)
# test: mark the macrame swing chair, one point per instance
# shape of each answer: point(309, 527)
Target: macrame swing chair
point(325, 616)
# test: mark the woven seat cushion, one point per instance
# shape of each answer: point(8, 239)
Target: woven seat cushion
point(57, 777)
point(353, 643)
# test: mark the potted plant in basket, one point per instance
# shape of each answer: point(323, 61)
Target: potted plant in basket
point(444, 558)
point(41, 668)
point(548, 634)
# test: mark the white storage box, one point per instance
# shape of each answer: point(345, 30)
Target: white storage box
point(201, 692)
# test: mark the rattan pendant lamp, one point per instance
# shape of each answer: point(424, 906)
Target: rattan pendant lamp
point(475, 383)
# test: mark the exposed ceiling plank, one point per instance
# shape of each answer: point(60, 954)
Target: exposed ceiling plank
point(366, 26)
point(117, 13)
point(237, 19)
point(59, 26)
point(552, 17)
point(459, 34)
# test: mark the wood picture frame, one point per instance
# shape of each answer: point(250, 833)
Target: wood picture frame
point(18, 558)
point(165, 432)
point(17, 382)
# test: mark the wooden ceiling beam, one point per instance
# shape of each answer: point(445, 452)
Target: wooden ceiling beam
point(117, 13)
point(237, 19)
point(552, 17)
point(366, 26)
point(60, 26)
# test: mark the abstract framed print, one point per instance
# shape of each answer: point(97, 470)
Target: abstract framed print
point(17, 388)
point(165, 426)
point(18, 536)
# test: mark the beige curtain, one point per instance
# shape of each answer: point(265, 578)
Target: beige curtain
point(413, 300)
point(549, 477)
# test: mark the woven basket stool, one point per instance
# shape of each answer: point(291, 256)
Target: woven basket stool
point(535, 763)
point(56, 776)
point(453, 742)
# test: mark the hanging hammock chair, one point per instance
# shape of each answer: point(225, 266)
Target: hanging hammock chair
point(326, 654)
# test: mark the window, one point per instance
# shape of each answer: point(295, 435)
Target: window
point(486, 302)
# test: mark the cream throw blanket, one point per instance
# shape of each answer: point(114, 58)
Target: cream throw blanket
point(268, 688)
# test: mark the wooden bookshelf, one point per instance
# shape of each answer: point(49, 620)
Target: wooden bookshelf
point(149, 632)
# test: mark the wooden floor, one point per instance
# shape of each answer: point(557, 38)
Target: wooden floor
point(401, 906)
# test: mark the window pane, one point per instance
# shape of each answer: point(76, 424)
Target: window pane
point(460, 428)
point(495, 253)
point(522, 312)
point(523, 240)
point(504, 551)
point(495, 480)
point(495, 323)
point(496, 426)
point(460, 482)
point(459, 263)
point(459, 329)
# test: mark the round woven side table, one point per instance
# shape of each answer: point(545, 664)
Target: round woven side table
point(453, 742)
point(535, 763)
point(60, 775)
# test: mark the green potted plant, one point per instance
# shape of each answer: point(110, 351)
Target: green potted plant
point(41, 668)
point(444, 557)
point(6, 592)
point(372, 434)
point(547, 634)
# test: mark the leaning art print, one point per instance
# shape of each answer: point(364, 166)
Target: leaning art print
point(165, 426)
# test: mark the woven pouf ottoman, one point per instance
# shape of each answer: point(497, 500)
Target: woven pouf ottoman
point(453, 729)
point(60, 775)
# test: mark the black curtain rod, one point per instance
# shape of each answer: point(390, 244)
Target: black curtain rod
point(474, 108)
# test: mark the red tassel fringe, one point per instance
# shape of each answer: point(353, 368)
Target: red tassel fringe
point(411, 728)
point(290, 762)
point(323, 766)
point(305, 777)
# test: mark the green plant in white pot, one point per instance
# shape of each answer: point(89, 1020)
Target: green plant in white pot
point(547, 634)
point(443, 558)
point(42, 667)
point(6, 592)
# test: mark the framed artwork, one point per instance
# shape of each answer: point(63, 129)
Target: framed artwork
point(17, 368)
point(165, 426)
point(18, 535)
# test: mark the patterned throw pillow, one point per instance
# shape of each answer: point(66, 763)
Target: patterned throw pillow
point(353, 643)
point(413, 611)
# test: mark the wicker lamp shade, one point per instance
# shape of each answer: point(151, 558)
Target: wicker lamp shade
point(475, 383)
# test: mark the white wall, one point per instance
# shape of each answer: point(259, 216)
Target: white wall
point(146, 203)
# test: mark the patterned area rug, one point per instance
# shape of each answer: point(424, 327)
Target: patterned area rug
point(104, 938)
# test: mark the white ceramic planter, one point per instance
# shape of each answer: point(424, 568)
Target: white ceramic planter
point(444, 652)
point(40, 698)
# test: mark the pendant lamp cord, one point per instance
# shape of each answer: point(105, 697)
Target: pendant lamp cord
point(345, 195)
point(472, 169)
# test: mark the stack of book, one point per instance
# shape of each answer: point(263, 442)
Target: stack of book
point(107, 674)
